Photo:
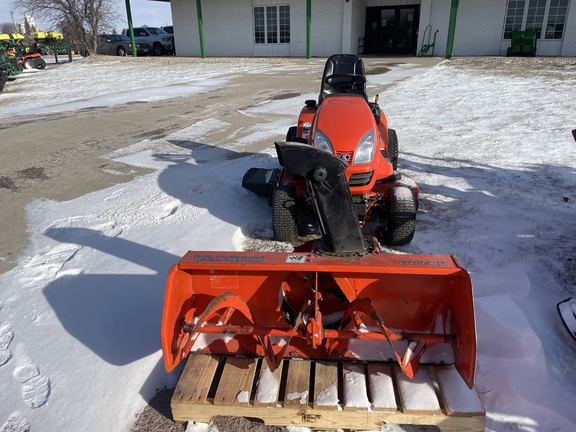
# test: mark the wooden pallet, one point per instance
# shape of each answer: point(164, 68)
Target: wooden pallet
point(325, 395)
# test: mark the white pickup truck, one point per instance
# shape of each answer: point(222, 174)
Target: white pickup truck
point(160, 41)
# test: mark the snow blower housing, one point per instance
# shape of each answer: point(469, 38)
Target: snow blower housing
point(337, 300)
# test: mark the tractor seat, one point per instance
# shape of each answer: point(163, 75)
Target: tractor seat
point(342, 64)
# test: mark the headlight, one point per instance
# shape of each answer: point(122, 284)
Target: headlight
point(322, 142)
point(365, 149)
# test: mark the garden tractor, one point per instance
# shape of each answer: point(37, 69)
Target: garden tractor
point(344, 123)
point(335, 298)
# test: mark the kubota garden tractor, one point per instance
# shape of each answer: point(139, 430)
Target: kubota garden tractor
point(344, 123)
point(336, 297)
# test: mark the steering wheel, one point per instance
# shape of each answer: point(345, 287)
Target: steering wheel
point(352, 82)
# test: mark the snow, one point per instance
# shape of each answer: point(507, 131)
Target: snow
point(243, 396)
point(328, 396)
point(382, 390)
point(301, 396)
point(267, 387)
point(417, 394)
point(457, 396)
point(491, 151)
point(355, 394)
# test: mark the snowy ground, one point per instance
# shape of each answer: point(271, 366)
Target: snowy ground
point(489, 146)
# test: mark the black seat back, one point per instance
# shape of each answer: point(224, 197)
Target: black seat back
point(342, 64)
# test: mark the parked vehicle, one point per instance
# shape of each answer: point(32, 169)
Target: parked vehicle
point(168, 29)
point(120, 45)
point(161, 42)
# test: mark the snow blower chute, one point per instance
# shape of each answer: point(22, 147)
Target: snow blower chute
point(338, 300)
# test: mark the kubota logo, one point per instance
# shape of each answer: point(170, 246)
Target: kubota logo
point(345, 157)
point(228, 258)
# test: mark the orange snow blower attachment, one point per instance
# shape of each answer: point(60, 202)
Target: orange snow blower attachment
point(338, 300)
point(305, 305)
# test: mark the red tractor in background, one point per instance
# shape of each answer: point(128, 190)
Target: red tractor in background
point(346, 124)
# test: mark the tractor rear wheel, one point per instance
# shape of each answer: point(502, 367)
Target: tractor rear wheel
point(393, 148)
point(399, 219)
point(40, 63)
point(284, 223)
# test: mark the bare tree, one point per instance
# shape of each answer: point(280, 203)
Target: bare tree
point(81, 19)
point(7, 27)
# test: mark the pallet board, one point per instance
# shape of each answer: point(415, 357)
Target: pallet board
point(325, 395)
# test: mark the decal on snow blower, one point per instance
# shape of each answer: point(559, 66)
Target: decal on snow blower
point(228, 258)
point(423, 263)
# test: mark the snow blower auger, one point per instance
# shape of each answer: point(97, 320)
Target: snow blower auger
point(338, 300)
point(345, 124)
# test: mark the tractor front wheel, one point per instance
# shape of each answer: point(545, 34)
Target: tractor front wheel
point(284, 223)
point(399, 219)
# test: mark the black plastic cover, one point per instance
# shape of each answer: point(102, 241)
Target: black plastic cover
point(325, 176)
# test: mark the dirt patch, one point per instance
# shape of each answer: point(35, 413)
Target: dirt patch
point(157, 416)
point(7, 183)
point(33, 173)
point(285, 96)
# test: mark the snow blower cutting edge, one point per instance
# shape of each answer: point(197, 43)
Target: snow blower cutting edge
point(337, 300)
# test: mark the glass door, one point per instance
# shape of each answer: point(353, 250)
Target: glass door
point(391, 30)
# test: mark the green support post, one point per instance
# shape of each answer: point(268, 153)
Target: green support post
point(308, 29)
point(201, 28)
point(130, 28)
point(452, 29)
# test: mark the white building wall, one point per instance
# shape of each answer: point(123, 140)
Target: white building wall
point(358, 24)
point(438, 17)
point(227, 28)
point(185, 22)
point(569, 45)
point(298, 28)
point(326, 27)
point(337, 25)
point(479, 27)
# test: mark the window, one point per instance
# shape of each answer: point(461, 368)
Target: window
point(271, 24)
point(535, 18)
point(514, 17)
point(556, 18)
point(532, 14)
